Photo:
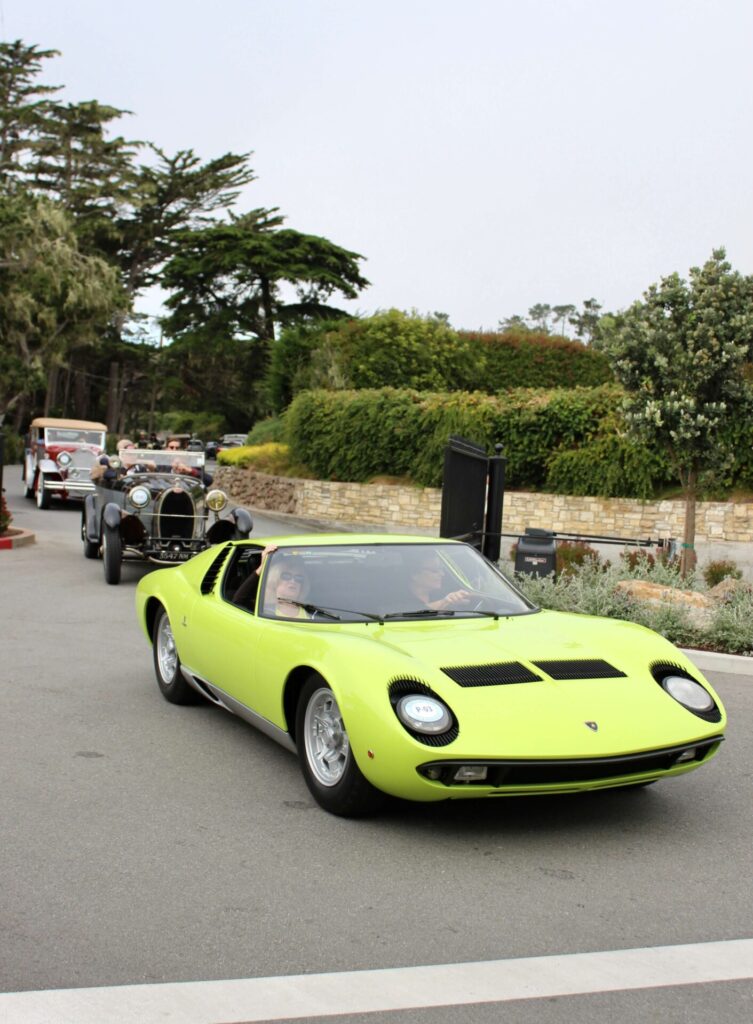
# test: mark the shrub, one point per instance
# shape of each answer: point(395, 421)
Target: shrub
point(14, 447)
point(715, 572)
point(270, 429)
point(572, 554)
point(406, 350)
point(272, 458)
point(5, 516)
point(515, 359)
point(356, 435)
point(633, 557)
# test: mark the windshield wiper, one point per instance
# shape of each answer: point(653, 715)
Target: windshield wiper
point(431, 612)
point(329, 612)
point(420, 613)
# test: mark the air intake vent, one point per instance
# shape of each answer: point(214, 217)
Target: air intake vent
point(210, 578)
point(491, 675)
point(593, 668)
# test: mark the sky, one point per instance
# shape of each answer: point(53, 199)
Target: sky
point(483, 155)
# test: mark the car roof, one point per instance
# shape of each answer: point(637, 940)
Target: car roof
point(46, 421)
point(350, 539)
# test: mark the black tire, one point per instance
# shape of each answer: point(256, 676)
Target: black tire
point(91, 549)
point(41, 493)
point(28, 491)
point(173, 686)
point(112, 554)
point(337, 785)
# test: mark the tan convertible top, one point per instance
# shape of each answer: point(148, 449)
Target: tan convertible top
point(46, 421)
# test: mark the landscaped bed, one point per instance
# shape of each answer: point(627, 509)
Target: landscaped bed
point(720, 619)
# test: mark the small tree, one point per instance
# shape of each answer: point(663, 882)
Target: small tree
point(680, 355)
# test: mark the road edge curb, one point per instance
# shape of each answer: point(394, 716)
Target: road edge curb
point(16, 538)
point(731, 664)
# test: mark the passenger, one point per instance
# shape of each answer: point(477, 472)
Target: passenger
point(103, 472)
point(285, 587)
point(426, 580)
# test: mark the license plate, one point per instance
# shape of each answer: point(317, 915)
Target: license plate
point(174, 556)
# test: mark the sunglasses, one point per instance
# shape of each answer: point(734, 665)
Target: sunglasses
point(287, 576)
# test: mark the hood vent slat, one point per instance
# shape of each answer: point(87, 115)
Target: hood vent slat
point(585, 668)
point(499, 674)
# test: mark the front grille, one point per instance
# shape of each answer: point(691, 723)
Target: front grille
point(508, 773)
point(499, 674)
point(176, 515)
point(587, 668)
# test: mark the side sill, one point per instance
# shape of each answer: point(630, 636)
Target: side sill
point(224, 700)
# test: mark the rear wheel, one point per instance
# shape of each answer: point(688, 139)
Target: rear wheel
point(327, 761)
point(42, 494)
point(112, 554)
point(91, 549)
point(173, 686)
point(29, 488)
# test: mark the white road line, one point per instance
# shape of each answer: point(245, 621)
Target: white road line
point(402, 988)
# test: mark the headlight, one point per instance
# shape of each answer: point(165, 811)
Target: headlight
point(423, 714)
point(115, 462)
point(139, 497)
point(688, 693)
point(63, 459)
point(216, 500)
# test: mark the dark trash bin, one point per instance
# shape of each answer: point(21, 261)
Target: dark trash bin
point(537, 553)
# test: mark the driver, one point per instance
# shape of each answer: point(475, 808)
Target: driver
point(426, 579)
point(178, 466)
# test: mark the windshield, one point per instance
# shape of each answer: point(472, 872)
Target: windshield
point(149, 461)
point(385, 581)
point(70, 435)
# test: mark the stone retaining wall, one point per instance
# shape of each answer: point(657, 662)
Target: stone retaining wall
point(415, 509)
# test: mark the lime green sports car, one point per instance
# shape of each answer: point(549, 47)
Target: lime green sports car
point(411, 667)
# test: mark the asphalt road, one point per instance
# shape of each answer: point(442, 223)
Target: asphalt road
point(144, 843)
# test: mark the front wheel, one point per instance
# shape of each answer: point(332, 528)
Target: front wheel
point(112, 554)
point(42, 494)
point(173, 686)
point(91, 550)
point(327, 761)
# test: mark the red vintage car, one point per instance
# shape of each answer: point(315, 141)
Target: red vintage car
point(59, 457)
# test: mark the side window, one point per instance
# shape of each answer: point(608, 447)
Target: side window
point(241, 583)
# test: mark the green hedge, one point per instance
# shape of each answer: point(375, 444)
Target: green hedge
point(400, 350)
point(355, 435)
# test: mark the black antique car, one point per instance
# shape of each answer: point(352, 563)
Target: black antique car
point(156, 507)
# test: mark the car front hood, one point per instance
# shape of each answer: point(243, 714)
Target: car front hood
point(622, 710)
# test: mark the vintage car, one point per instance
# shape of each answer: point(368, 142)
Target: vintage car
point(155, 506)
point(412, 667)
point(59, 456)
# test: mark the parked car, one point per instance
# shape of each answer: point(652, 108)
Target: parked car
point(211, 448)
point(58, 458)
point(233, 440)
point(155, 507)
point(413, 667)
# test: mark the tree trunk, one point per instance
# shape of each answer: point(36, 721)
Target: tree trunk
point(688, 557)
point(112, 398)
point(50, 398)
point(267, 306)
